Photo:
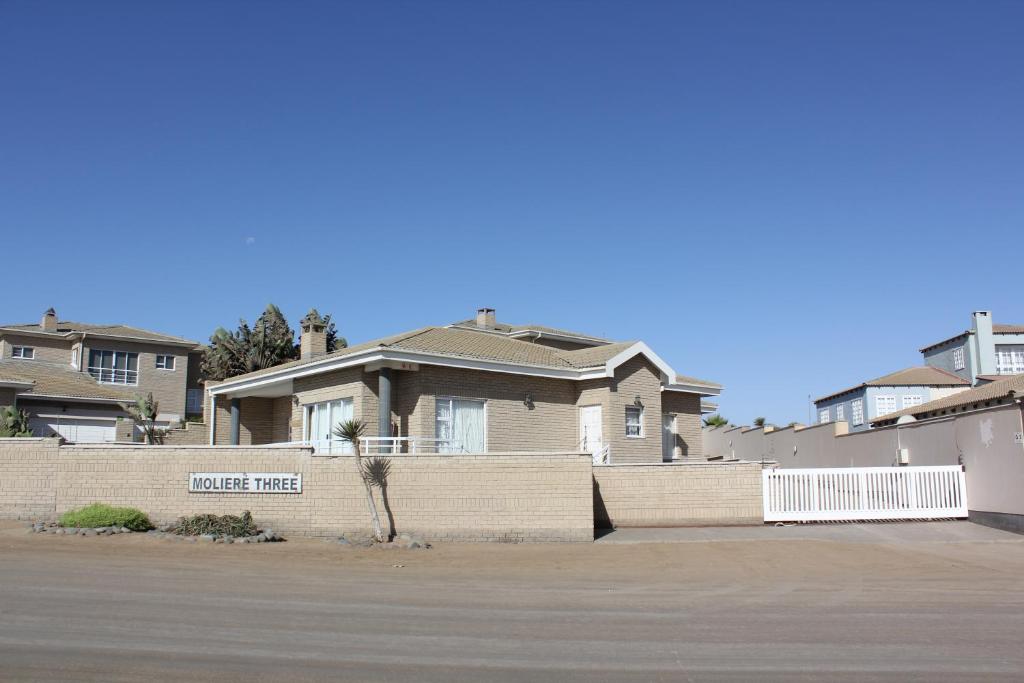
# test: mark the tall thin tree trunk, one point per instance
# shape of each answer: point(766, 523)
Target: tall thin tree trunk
point(378, 532)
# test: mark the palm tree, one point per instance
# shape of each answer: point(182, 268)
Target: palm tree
point(352, 431)
point(759, 422)
point(715, 421)
point(144, 412)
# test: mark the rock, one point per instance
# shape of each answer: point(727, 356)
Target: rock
point(259, 538)
point(189, 539)
point(343, 541)
point(228, 540)
point(88, 532)
point(207, 538)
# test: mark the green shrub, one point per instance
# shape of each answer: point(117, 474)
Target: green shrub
point(98, 514)
point(218, 525)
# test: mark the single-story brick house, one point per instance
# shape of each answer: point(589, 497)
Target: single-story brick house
point(474, 386)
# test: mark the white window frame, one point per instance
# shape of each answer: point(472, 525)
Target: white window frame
point(97, 372)
point(332, 445)
point(839, 412)
point(857, 412)
point(823, 416)
point(450, 400)
point(639, 426)
point(958, 358)
point(888, 400)
point(23, 352)
point(1009, 359)
point(167, 362)
point(75, 352)
point(909, 401)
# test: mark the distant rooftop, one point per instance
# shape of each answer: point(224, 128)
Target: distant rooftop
point(921, 376)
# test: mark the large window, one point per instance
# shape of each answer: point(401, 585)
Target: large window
point(321, 419)
point(911, 401)
point(634, 422)
point(823, 417)
point(958, 358)
point(1009, 360)
point(460, 425)
point(114, 367)
point(194, 401)
point(884, 405)
point(857, 412)
point(26, 352)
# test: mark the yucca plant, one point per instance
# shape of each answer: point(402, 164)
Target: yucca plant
point(144, 412)
point(14, 422)
point(352, 431)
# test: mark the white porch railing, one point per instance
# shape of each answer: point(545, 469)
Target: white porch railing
point(864, 493)
point(381, 445)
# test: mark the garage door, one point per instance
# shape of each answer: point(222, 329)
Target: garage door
point(75, 429)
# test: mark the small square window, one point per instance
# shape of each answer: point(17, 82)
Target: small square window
point(165, 362)
point(25, 352)
point(634, 422)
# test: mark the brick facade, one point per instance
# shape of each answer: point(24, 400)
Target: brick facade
point(550, 421)
point(690, 494)
point(497, 497)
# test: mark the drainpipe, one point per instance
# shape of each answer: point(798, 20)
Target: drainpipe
point(213, 419)
point(236, 406)
point(384, 410)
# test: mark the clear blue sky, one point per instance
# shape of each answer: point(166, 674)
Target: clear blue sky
point(785, 197)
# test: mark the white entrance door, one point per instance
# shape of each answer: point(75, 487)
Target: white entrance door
point(668, 437)
point(591, 434)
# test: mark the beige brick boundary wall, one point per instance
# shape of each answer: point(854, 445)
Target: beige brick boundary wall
point(683, 494)
point(493, 497)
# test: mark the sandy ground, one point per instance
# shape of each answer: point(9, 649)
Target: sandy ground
point(917, 602)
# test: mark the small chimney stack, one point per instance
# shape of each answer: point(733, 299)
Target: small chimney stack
point(49, 322)
point(485, 318)
point(313, 341)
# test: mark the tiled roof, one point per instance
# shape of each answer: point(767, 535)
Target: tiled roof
point(998, 389)
point(684, 379)
point(997, 328)
point(922, 376)
point(66, 327)
point(54, 379)
point(511, 329)
point(470, 344)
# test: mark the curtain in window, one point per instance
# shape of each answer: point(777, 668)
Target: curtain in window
point(468, 426)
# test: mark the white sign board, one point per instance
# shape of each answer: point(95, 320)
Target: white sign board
point(244, 482)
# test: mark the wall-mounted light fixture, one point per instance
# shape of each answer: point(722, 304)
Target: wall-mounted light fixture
point(528, 401)
point(637, 402)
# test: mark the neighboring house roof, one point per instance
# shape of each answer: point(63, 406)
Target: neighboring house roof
point(490, 351)
point(997, 328)
point(66, 328)
point(684, 379)
point(57, 380)
point(1008, 386)
point(921, 376)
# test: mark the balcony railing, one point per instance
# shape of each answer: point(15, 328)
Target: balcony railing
point(381, 445)
point(115, 376)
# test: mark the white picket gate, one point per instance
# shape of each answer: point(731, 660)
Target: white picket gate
point(864, 493)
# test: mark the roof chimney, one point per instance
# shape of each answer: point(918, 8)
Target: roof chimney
point(49, 322)
point(985, 342)
point(313, 341)
point(485, 318)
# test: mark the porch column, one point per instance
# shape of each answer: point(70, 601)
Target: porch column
point(384, 411)
point(236, 406)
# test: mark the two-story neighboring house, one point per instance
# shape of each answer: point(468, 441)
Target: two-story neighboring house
point(474, 386)
point(73, 378)
point(985, 352)
point(864, 403)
